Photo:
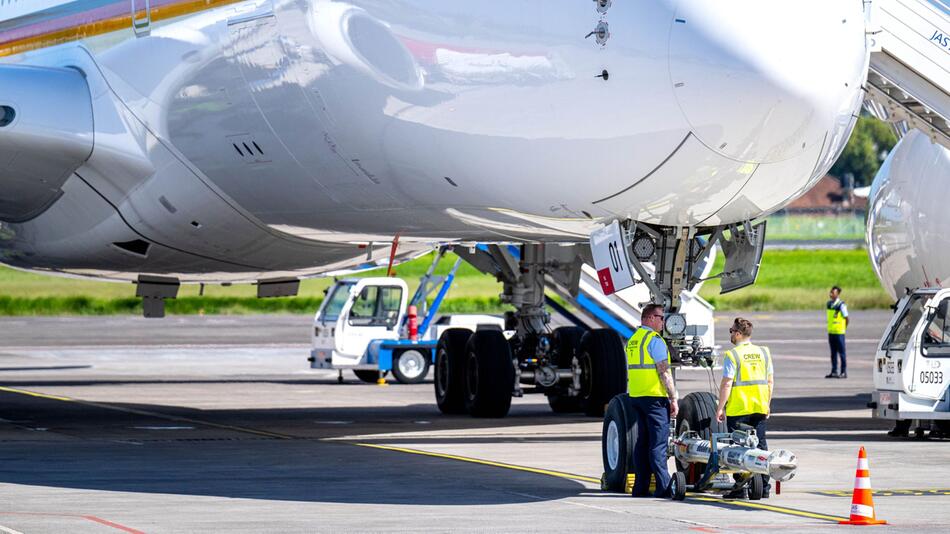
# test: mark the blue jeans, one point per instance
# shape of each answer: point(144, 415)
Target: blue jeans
point(649, 454)
point(836, 342)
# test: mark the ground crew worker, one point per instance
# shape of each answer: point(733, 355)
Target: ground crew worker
point(653, 397)
point(837, 313)
point(745, 393)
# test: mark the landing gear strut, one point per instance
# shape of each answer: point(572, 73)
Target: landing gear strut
point(670, 260)
point(578, 370)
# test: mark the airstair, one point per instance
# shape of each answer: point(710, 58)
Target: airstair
point(586, 304)
point(909, 76)
point(621, 310)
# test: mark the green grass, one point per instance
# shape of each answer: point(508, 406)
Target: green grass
point(25, 293)
point(14, 283)
point(800, 280)
point(19, 306)
point(815, 227)
point(788, 280)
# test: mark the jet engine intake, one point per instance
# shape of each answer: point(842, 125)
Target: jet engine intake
point(46, 133)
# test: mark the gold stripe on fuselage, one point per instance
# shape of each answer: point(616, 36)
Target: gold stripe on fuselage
point(104, 26)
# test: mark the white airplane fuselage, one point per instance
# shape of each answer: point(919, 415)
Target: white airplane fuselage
point(235, 140)
point(907, 235)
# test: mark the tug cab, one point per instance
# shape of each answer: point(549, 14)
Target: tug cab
point(912, 364)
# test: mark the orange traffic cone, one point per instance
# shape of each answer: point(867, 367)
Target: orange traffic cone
point(862, 505)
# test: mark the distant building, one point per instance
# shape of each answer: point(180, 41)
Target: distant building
point(828, 196)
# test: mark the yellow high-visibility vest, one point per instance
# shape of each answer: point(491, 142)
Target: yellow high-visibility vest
point(836, 320)
point(642, 378)
point(750, 386)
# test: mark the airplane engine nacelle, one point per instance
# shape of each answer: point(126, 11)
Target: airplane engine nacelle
point(46, 133)
point(908, 222)
point(351, 36)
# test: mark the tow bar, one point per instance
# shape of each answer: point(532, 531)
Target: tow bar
point(734, 453)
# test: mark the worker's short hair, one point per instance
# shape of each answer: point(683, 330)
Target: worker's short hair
point(836, 288)
point(650, 309)
point(743, 326)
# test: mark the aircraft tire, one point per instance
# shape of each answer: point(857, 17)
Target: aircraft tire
point(603, 369)
point(450, 370)
point(489, 374)
point(367, 375)
point(698, 414)
point(617, 440)
point(564, 404)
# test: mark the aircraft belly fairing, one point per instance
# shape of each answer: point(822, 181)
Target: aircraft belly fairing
point(277, 136)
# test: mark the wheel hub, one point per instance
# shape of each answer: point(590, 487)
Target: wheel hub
point(546, 376)
point(411, 364)
point(613, 445)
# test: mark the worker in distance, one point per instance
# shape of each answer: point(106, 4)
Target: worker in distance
point(745, 393)
point(837, 314)
point(653, 398)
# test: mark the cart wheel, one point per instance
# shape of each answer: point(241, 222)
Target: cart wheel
point(411, 366)
point(756, 488)
point(678, 486)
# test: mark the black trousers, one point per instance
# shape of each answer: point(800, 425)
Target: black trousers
point(756, 421)
point(836, 342)
point(649, 454)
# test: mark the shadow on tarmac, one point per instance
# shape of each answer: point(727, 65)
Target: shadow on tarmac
point(279, 470)
point(45, 368)
point(172, 381)
point(47, 442)
point(821, 403)
point(170, 449)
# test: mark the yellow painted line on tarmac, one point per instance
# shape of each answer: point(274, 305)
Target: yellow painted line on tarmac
point(582, 478)
point(147, 413)
point(888, 492)
point(771, 508)
point(548, 472)
point(35, 394)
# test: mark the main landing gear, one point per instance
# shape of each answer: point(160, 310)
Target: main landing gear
point(580, 370)
point(479, 372)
